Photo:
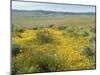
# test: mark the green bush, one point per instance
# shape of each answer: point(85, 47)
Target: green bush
point(51, 26)
point(24, 66)
point(86, 50)
point(34, 28)
point(61, 27)
point(92, 40)
point(69, 29)
point(20, 30)
point(13, 66)
point(15, 49)
point(46, 61)
point(39, 62)
point(83, 33)
point(44, 37)
point(17, 29)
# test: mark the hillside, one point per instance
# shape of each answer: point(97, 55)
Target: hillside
point(47, 13)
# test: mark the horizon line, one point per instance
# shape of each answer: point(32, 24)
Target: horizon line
point(52, 10)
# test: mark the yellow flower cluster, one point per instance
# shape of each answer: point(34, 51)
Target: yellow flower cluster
point(67, 49)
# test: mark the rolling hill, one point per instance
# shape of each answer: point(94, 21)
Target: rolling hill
point(47, 13)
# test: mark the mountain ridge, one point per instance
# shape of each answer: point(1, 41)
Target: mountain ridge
point(47, 13)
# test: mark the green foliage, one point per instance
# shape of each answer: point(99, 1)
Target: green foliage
point(83, 33)
point(37, 62)
point(34, 28)
point(86, 50)
point(14, 66)
point(51, 26)
point(24, 65)
point(17, 29)
point(46, 62)
point(69, 28)
point(90, 54)
point(92, 39)
point(44, 37)
point(15, 48)
point(61, 27)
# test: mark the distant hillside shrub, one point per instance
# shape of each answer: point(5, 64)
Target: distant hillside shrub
point(61, 27)
point(51, 26)
point(34, 28)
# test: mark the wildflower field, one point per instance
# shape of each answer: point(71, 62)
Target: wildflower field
point(53, 44)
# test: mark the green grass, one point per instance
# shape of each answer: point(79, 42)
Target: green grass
point(44, 21)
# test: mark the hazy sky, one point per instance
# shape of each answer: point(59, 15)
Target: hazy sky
point(53, 7)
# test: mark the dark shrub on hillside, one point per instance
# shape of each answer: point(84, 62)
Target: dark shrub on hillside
point(51, 26)
point(61, 27)
point(20, 30)
point(15, 49)
point(34, 28)
point(17, 29)
point(86, 50)
point(92, 40)
point(44, 37)
point(90, 53)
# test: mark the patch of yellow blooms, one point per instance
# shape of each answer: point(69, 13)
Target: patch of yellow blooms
point(67, 48)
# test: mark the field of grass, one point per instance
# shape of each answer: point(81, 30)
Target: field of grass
point(45, 21)
point(50, 44)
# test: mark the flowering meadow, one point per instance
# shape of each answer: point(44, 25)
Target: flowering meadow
point(53, 49)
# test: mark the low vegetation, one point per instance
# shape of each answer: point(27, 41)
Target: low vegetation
point(50, 49)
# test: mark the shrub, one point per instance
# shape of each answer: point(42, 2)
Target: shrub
point(44, 37)
point(20, 30)
point(34, 61)
point(90, 56)
point(61, 27)
point(69, 29)
point(46, 61)
point(51, 26)
point(15, 48)
point(92, 40)
point(17, 29)
point(86, 50)
point(83, 33)
point(35, 28)
point(23, 65)
point(14, 66)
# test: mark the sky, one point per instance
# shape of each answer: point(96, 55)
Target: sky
point(51, 7)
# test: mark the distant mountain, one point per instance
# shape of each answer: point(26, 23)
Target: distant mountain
point(47, 13)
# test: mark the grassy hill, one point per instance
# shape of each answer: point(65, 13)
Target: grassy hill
point(46, 13)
